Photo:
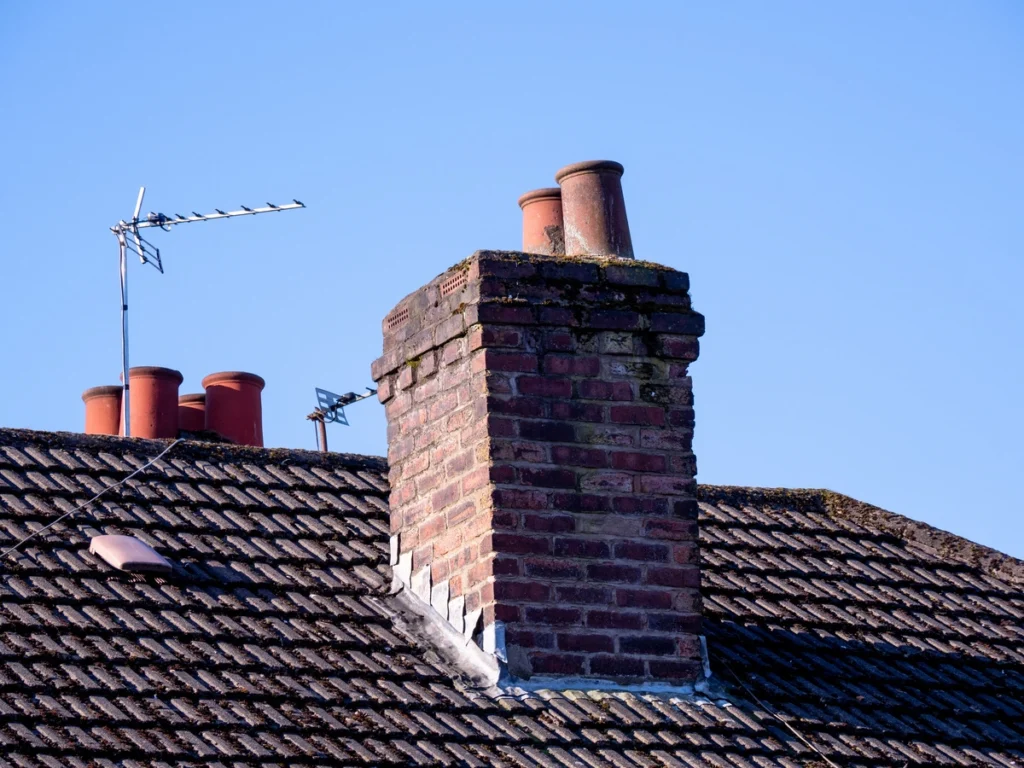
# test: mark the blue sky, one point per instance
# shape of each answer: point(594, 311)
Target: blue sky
point(842, 181)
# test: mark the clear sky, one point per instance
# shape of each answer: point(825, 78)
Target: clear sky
point(844, 182)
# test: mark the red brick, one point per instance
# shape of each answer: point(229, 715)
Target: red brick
point(670, 669)
point(685, 554)
point(623, 437)
point(618, 482)
point(570, 547)
point(505, 565)
point(529, 639)
point(559, 341)
point(616, 666)
point(586, 595)
point(614, 319)
point(514, 499)
point(644, 598)
point(497, 426)
point(491, 336)
point(673, 622)
point(674, 577)
point(579, 502)
point(543, 386)
point(667, 484)
point(636, 550)
point(547, 478)
point(460, 513)
point(614, 620)
point(511, 543)
point(445, 497)
point(688, 324)
point(595, 389)
point(549, 431)
point(506, 450)
point(612, 572)
point(668, 528)
point(645, 415)
point(572, 365)
point(647, 645)
point(586, 643)
point(639, 505)
point(530, 591)
point(553, 569)
point(505, 314)
point(638, 462)
point(667, 439)
point(480, 476)
point(556, 664)
point(579, 457)
point(497, 360)
point(549, 523)
point(552, 615)
point(518, 406)
point(447, 541)
point(573, 410)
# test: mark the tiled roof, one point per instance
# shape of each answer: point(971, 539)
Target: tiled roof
point(876, 640)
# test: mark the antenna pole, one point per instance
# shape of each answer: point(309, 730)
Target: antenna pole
point(321, 426)
point(126, 408)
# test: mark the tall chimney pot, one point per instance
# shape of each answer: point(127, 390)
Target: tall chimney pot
point(102, 410)
point(542, 222)
point(234, 408)
point(154, 393)
point(192, 412)
point(594, 210)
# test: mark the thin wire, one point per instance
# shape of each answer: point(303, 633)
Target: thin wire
point(118, 484)
point(778, 717)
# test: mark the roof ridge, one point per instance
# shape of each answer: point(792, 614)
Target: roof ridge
point(837, 505)
point(190, 448)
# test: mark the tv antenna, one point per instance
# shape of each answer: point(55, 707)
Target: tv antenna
point(150, 254)
point(331, 409)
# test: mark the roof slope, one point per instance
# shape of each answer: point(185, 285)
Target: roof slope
point(274, 641)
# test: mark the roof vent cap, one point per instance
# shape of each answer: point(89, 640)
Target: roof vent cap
point(126, 553)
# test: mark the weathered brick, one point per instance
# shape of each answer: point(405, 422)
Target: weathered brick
point(553, 569)
point(554, 616)
point(668, 484)
point(638, 462)
point(689, 323)
point(601, 619)
point(644, 598)
point(617, 482)
point(548, 478)
point(614, 319)
point(573, 410)
point(579, 457)
point(501, 360)
point(674, 577)
point(549, 523)
point(586, 643)
point(549, 431)
point(647, 645)
point(616, 666)
point(530, 591)
point(556, 663)
point(584, 595)
point(638, 550)
point(613, 572)
point(631, 275)
point(573, 547)
point(637, 414)
point(596, 389)
point(572, 365)
point(512, 543)
point(544, 386)
point(505, 314)
point(673, 622)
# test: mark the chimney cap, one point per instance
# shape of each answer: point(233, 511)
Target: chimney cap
point(156, 372)
point(588, 166)
point(199, 397)
point(547, 193)
point(250, 378)
point(106, 390)
point(127, 553)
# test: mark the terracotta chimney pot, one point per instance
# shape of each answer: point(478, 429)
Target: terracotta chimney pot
point(594, 210)
point(192, 412)
point(102, 410)
point(234, 408)
point(154, 392)
point(542, 221)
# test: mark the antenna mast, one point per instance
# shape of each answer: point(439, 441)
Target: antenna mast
point(150, 254)
point(331, 408)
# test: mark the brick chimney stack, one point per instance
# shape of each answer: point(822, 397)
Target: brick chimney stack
point(540, 424)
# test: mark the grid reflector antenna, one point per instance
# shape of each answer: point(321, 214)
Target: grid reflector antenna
point(331, 410)
point(150, 254)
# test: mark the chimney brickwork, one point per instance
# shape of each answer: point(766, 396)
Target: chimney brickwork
point(540, 423)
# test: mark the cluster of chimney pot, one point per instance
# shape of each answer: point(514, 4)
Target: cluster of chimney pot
point(231, 406)
point(584, 214)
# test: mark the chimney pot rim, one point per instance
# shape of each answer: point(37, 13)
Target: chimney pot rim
point(546, 193)
point(105, 390)
point(199, 397)
point(155, 372)
point(239, 376)
point(588, 166)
